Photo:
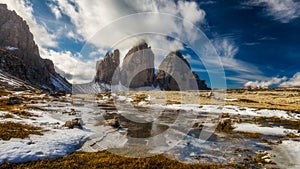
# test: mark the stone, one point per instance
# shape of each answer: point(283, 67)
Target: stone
point(13, 100)
point(112, 122)
point(75, 123)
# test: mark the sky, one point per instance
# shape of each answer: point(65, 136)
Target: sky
point(229, 43)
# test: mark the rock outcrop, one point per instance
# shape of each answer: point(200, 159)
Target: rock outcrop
point(174, 73)
point(20, 55)
point(138, 67)
point(108, 67)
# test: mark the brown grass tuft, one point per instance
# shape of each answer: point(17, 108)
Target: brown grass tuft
point(10, 130)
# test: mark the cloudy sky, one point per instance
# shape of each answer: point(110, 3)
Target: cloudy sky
point(251, 42)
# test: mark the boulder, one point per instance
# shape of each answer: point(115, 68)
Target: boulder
point(75, 123)
point(112, 122)
point(13, 100)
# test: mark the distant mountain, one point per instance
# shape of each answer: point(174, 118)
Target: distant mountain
point(19, 54)
point(137, 71)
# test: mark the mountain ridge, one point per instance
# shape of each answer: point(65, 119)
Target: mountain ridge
point(20, 55)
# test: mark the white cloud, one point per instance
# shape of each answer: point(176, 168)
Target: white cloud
point(69, 63)
point(24, 8)
point(227, 51)
point(264, 84)
point(292, 82)
point(282, 10)
point(226, 48)
point(55, 11)
point(91, 16)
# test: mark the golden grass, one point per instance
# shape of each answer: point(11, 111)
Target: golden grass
point(10, 130)
point(4, 92)
point(280, 98)
point(105, 159)
point(292, 124)
point(23, 114)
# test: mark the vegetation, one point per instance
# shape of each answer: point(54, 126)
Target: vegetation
point(292, 124)
point(10, 130)
point(105, 159)
point(23, 114)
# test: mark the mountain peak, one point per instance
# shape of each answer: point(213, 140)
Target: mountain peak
point(17, 41)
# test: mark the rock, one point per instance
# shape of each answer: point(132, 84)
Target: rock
point(108, 67)
point(112, 122)
point(198, 125)
point(138, 67)
point(75, 123)
point(225, 125)
point(71, 112)
point(13, 100)
point(174, 73)
point(19, 55)
point(267, 160)
point(57, 94)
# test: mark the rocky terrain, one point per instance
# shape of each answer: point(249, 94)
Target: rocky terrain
point(20, 55)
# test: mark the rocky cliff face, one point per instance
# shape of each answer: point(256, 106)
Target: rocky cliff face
point(138, 67)
point(108, 67)
point(16, 41)
point(174, 73)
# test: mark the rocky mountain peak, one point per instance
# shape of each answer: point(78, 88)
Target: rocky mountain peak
point(108, 67)
point(16, 41)
point(174, 73)
point(138, 67)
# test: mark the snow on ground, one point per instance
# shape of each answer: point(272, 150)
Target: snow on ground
point(254, 128)
point(231, 109)
point(287, 154)
point(54, 143)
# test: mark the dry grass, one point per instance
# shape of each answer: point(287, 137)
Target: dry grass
point(280, 98)
point(23, 114)
point(105, 159)
point(10, 130)
point(292, 124)
point(4, 92)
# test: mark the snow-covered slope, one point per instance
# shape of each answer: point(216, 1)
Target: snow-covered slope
point(10, 82)
point(60, 83)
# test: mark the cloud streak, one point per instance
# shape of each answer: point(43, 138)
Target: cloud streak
point(282, 10)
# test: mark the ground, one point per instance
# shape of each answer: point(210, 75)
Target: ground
point(223, 129)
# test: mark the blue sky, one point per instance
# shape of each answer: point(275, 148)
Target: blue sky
point(257, 40)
